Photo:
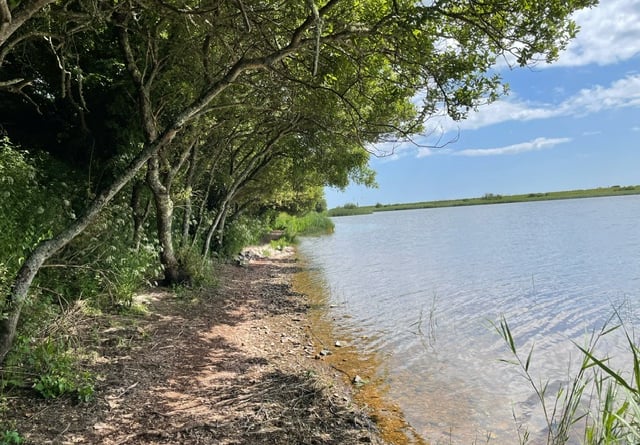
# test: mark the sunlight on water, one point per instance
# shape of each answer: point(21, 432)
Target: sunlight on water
point(419, 289)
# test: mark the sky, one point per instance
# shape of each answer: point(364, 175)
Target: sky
point(574, 124)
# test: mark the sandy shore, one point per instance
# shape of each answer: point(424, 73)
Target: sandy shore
point(236, 365)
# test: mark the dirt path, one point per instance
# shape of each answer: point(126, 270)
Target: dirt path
point(232, 366)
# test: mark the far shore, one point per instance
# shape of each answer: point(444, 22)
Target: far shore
point(489, 198)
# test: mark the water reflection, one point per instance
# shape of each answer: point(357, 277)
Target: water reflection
point(418, 289)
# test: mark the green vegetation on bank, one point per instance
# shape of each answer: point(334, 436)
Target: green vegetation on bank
point(489, 198)
point(310, 224)
point(143, 142)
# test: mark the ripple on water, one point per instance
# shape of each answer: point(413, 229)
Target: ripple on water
point(421, 288)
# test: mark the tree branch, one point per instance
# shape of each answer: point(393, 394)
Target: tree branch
point(10, 23)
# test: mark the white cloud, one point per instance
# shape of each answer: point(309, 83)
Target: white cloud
point(506, 110)
point(622, 93)
point(535, 145)
point(423, 152)
point(609, 33)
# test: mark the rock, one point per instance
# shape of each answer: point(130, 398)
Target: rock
point(358, 381)
point(338, 344)
point(325, 352)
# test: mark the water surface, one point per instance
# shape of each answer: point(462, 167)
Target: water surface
point(420, 289)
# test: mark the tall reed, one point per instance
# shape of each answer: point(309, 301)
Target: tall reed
point(599, 404)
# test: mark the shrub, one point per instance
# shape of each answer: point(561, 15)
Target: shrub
point(49, 368)
point(240, 233)
point(312, 223)
point(32, 206)
point(11, 437)
point(201, 271)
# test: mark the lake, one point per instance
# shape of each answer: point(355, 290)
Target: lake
point(419, 290)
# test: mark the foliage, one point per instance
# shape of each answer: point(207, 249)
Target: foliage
point(33, 205)
point(242, 232)
point(606, 400)
point(201, 271)
point(102, 266)
point(313, 223)
point(316, 87)
point(11, 437)
point(49, 367)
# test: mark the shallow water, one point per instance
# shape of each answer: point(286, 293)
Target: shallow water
point(420, 288)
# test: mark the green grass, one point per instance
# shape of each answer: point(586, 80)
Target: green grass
point(313, 223)
point(340, 211)
point(489, 198)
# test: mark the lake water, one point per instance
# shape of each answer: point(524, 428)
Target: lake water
point(420, 288)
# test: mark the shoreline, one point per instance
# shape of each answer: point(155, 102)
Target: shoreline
point(488, 199)
point(233, 365)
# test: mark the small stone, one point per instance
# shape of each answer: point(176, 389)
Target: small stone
point(358, 381)
point(338, 344)
point(324, 352)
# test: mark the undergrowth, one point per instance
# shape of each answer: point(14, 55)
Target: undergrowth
point(312, 223)
point(45, 356)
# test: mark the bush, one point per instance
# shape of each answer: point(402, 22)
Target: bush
point(240, 233)
point(49, 368)
point(101, 265)
point(11, 437)
point(201, 271)
point(312, 223)
point(38, 199)
point(32, 207)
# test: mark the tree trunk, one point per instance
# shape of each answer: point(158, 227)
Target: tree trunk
point(164, 218)
point(220, 231)
point(46, 249)
point(9, 23)
point(140, 212)
point(202, 210)
point(20, 290)
point(186, 215)
point(212, 229)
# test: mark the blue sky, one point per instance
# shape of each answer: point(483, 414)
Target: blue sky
point(574, 124)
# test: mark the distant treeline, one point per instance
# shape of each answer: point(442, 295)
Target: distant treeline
point(489, 198)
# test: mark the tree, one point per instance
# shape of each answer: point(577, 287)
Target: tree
point(443, 50)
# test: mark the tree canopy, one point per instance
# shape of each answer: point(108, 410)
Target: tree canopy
point(190, 114)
